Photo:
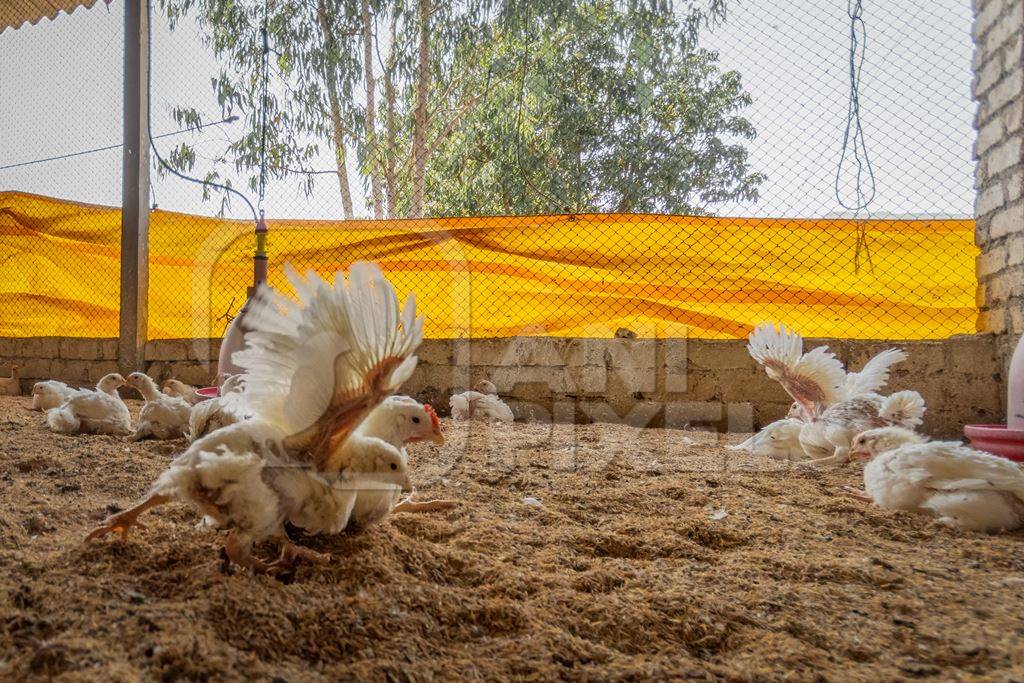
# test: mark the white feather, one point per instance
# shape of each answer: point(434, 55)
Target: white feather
point(299, 355)
point(875, 373)
point(904, 409)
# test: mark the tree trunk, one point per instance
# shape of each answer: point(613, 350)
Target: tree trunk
point(337, 124)
point(391, 132)
point(371, 111)
point(419, 131)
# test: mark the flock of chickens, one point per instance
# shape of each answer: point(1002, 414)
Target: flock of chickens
point(312, 435)
point(836, 415)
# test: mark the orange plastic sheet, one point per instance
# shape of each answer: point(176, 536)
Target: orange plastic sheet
point(505, 276)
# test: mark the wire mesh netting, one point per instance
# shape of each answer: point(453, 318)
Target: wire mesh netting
point(556, 168)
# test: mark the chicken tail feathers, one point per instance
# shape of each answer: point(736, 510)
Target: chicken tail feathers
point(904, 408)
point(63, 420)
point(461, 408)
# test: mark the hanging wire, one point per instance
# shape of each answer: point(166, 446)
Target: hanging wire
point(264, 104)
point(149, 123)
point(853, 137)
point(105, 148)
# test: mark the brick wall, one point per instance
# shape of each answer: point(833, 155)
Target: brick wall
point(999, 150)
point(670, 382)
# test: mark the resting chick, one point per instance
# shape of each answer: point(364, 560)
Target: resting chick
point(179, 389)
point(399, 421)
point(96, 412)
point(483, 401)
point(212, 414)
point(162, 416)
point(959, 485)
point(316, 367)
point(779, 440)
point(49, 394)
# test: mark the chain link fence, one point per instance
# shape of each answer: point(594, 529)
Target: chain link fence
point(557, 168)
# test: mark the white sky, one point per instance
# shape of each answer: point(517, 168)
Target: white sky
point(60, 91)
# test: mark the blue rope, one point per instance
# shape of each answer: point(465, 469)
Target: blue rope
point(853, 138)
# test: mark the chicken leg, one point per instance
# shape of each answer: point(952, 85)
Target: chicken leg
point(291, 553)
point(238, 550)
point(855, 493)
point(123, 521)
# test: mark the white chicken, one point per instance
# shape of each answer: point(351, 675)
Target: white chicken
point(815, 379)
point(316, 368)
point(399, 421)
point(97, 412)
point(162, 416)
point(959, 485)
point(833, 404)
point(829, 436)
point(482, 401)
point(779, 440)
point(179, 389)
point(49, 394)
point(212, 414)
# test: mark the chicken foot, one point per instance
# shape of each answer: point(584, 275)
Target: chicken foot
point(857, 494)
point(292, 553)
point(123, 521)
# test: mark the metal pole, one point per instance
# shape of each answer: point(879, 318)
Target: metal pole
point(135, 190)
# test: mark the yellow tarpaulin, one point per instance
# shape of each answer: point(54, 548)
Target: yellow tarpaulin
point(505, 276)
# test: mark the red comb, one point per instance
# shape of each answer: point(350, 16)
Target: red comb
point(433, 416)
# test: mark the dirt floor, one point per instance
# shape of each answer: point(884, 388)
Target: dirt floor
point(590, 552)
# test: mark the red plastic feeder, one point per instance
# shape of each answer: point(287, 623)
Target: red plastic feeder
point(997, 439)
point(208, 392)
point(1005, 440)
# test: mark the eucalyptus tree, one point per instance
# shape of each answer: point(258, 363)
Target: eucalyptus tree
point(480, 105)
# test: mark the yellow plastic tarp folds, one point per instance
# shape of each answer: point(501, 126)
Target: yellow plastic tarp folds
point(506, 276)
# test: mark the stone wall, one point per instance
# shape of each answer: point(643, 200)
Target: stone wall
point(671, 382)
point(999, 150)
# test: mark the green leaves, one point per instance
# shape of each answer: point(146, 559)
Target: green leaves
point(539, 106)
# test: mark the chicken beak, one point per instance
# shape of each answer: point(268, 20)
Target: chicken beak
point(406, 484)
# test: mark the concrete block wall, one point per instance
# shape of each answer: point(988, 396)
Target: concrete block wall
point(666, 382)
point(999, 178)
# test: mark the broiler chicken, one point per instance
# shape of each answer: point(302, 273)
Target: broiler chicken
point(833, 405)
point(779, 440)
point(315, 369)
point(97, 412)
point(399, 421)
point(212, 414)
point(958, 485)
point(162, 416)
point(49, 394)
point(816, 379)
point(11, 385)
point(829, 436)
point(179, 389)
point(482, 401)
